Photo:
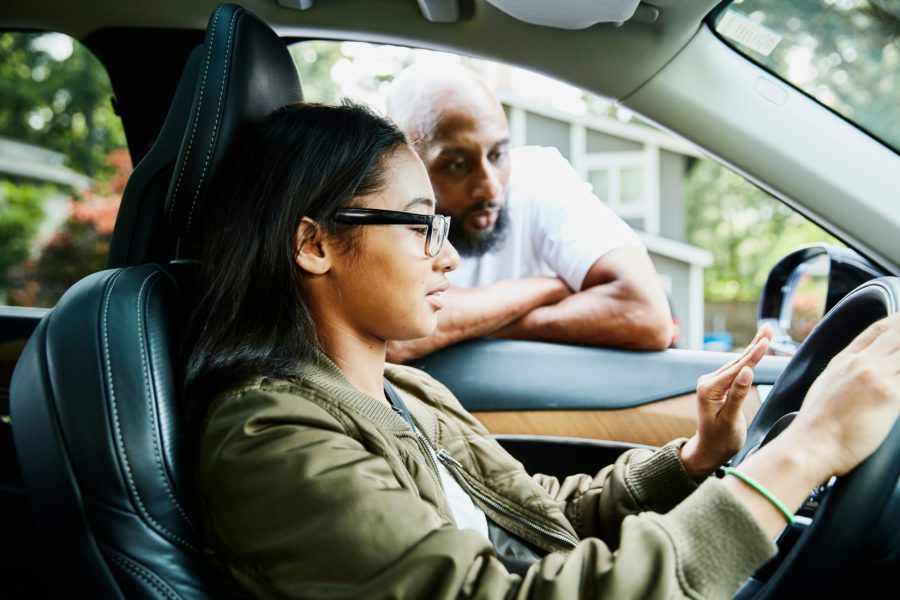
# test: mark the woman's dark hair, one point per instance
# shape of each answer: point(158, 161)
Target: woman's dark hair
point(250, 317)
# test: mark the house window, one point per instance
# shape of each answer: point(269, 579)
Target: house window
point(619, 182)
point(600, 180)
point(631, 190)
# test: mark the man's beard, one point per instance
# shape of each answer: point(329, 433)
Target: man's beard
point(480, 242)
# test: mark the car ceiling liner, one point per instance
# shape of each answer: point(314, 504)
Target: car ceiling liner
point(561, 14)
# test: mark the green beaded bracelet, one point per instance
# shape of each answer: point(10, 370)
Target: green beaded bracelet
point(763, 491)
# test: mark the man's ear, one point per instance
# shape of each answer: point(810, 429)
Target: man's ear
point(312, 253)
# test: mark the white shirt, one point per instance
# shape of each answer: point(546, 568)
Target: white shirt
point(557, 226)
point(465, 513)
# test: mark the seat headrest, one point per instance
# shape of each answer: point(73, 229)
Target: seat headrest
point(141, 234)
point(246, 72)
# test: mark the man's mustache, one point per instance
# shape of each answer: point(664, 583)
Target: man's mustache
point(484, 205)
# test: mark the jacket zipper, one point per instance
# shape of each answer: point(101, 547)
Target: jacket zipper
point(453, 464)
point(431, 454)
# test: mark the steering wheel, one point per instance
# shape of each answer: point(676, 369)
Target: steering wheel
point(850, 508)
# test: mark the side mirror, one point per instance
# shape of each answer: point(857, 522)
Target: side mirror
point(804, 285)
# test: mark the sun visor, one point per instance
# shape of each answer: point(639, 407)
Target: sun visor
point(568, 14)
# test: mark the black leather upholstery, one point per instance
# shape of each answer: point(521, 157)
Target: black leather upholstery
point(220, 92)
point(97, 429)
point(233, 92)
point(140, 235)
point(94, 398)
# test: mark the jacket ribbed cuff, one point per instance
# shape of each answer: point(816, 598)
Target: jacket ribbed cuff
point(659, 482)
point(719, 543)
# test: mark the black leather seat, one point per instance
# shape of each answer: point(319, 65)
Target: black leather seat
point(95, 407)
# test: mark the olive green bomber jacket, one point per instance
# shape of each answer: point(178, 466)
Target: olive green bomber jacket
point(312, 489)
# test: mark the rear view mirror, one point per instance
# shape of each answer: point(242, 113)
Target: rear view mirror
point(804, 285)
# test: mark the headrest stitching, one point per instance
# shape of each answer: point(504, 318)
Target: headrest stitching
point(215, 134)
point(187, 155)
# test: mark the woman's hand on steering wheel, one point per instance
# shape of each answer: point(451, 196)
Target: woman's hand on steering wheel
point(852, 406)
point(721, 426)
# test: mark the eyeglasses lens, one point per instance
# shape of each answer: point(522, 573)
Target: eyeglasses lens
point(438, 235)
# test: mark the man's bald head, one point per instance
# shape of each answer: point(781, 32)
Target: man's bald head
point(420, 97)
point(459, 130)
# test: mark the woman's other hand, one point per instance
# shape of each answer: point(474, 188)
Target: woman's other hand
point(852, 406)
point(721, 426)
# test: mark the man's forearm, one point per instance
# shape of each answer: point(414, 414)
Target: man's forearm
point(478, 312)
point(603, 315)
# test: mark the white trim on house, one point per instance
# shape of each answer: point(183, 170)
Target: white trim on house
point(577, 144)
point(517, 125)
point(628, 131)
point(652, 190)
point(675, 249)
point(694, 335)
point(27, 161)
point(606, 160)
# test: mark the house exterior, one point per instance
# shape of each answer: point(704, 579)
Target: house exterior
point(33, 164)
point(639, 173)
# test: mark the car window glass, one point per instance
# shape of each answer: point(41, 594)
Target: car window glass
point(843, 53)
point(63, 166)
point(712, 235)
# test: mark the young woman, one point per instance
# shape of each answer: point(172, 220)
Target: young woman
point(324, 472)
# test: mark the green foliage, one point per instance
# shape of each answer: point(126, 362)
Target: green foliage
point(56, 95)
point(58, 99)
point(20, 216)
point(745, 228)
point(844, 53)
point(75, 251)
point(314, 61)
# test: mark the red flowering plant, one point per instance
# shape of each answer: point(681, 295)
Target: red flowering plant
point(80, 245)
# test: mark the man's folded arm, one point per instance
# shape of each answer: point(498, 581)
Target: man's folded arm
point(621, 305)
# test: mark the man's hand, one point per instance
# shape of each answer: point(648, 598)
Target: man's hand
point(721, 427)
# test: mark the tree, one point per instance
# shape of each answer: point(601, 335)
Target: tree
point(843, 53)
point(746, 229)
point(20, 216)
point(80, 246)
point(56, 94)
point(314, 61)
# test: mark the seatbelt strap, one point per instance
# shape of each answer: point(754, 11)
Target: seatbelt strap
point(397, 403)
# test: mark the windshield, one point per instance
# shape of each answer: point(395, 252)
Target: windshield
point(843, 53)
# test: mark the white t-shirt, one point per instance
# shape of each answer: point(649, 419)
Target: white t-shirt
point(557, 226)
point(466, 514)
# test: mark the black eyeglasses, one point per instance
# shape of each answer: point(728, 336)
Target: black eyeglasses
point(438, 225)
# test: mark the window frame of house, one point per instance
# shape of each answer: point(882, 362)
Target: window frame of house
point(646, 207)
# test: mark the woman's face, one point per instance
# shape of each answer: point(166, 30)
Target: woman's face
point(386, 288)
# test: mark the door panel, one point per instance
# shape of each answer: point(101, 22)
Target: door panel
point(22, 559)
point(652, 424)
point(16, 326)
point(532, 388)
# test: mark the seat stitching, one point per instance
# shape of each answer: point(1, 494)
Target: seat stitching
point(212, 141)
point(141, 572)
point(150, 397)
point(115, 410)
point(184, 163)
